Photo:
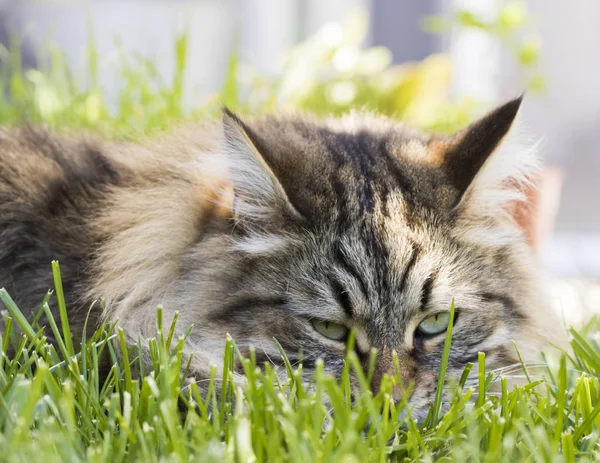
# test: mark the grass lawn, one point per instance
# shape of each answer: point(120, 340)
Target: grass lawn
point(53, 406)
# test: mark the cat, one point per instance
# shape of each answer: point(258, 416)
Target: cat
point(288, 227)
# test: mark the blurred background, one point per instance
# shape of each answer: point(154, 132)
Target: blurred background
point(126, 67)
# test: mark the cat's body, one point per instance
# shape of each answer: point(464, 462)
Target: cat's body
point(285, 227)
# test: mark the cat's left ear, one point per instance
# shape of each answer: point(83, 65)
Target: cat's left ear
point(488, 161)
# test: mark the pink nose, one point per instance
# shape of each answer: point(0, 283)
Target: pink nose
point(401, 367)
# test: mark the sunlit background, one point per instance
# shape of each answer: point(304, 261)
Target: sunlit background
point(128, 66)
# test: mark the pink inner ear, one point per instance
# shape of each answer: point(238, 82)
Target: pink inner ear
point(537, 215)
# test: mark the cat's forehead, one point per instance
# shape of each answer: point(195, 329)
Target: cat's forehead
point(365, 134)
point(390, 240)
point(352, 166)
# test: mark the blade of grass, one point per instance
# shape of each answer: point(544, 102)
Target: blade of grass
point(16, 314)
point(437, 402)
point(62, 309)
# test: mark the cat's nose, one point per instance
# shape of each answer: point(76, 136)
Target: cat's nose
point(398, 365)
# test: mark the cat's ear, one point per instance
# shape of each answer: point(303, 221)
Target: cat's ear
point(487, 162)
point(258, 192)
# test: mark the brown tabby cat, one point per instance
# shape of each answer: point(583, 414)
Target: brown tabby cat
point(285, 227)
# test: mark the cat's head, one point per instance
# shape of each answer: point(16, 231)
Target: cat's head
point(361, 223)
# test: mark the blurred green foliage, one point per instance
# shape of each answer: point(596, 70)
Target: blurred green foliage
point(331, 72)
point(512, 26)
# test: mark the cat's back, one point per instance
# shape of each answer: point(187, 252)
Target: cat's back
point(42, 167)
point(50, 188)
point(47, 171)
point(62, 197)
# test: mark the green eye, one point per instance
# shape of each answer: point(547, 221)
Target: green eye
point(330, 330)
point(435, 324)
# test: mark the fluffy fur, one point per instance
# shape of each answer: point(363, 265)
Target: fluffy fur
point(258, 228)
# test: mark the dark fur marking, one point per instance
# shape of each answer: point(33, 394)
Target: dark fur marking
point(402, 181)
point(426, 292)
point(342, 296)
point(507, 302)
point(246, 305)
point(367, 196)
point(347, 265)
point(409, 266)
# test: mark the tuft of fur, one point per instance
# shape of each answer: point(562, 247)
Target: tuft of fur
point(262, 227)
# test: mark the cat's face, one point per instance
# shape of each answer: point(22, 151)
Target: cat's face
point(361, 224)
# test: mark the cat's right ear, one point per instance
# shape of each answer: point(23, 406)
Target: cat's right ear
point(489, 162)
point(258, 192)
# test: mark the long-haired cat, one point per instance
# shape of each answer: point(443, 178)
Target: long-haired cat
point(285, 227)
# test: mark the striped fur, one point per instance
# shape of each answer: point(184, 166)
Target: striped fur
point(256, 228)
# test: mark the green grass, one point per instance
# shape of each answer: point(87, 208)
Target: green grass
point(57, 96)
point(54, 406)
